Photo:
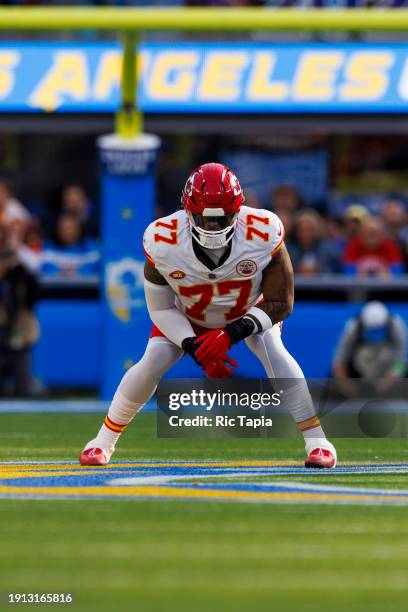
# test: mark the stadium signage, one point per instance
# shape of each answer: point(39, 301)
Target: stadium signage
point(207, 77)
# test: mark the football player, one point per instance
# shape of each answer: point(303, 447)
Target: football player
point(216, 273)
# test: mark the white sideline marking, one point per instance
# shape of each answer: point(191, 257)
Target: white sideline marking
point(159, 480)
point(153, 480)
point(61, 406)
point(317, 487)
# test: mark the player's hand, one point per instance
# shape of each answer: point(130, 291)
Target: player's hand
point(213, 346)
point(219, 368)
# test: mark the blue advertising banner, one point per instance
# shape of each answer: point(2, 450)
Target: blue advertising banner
point(208, 77)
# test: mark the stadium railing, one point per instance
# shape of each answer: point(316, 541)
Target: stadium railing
point(330, 287)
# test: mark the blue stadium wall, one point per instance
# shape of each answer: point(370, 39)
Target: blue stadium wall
point(69, 351)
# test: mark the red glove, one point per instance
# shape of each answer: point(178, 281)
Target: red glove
point(214, 345)
point(219, 368)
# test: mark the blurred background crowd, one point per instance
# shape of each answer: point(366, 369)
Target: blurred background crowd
point(344, 212)
point(64, 242)
point(355, 242)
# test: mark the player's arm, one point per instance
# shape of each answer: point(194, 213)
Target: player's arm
point(278, 296)
point(278, 289)
point(160, 304)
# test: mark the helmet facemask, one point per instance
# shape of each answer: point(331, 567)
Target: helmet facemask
point(212, 229)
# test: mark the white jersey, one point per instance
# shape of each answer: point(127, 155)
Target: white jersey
point(213, 298)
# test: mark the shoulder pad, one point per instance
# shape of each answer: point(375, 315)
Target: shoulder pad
point(264, 228)
point(160, 235)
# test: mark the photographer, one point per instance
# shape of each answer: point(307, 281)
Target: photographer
point(18, 325)
point(373, 347)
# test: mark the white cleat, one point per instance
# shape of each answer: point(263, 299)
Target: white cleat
point(320, 454)
point(93, 454)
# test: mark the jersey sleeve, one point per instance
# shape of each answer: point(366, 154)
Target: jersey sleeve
point(148, 244)
point(161, 239)
point(266, 229)
point(277, 235)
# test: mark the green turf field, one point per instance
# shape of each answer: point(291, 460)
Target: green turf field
point(195, 556)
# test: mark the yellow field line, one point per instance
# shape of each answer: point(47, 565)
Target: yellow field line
point(16, 474)
point(113, 466)
point(175, 492)
point(161, 464)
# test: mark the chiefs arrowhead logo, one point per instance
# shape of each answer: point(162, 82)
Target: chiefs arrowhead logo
point(177, 274)
point(246, 267)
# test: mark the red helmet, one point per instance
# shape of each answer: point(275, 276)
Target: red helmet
point(212, 197)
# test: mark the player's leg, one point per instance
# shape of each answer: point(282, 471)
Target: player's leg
point(135, 389)
point(278, 363)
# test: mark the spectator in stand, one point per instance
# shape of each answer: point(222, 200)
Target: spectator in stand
point(354, 215)
point(395, 219)
point(25, 239)
point(310, 251)
point(75, 202)
point(287, 219)
point(18, 325)
point(371, 253)
point(285, 202)
point(335, 236)
point(3, 236)
point(10, 208)
point(70, 254)
point(33, 236)
point(252, 199)
point(285, 198)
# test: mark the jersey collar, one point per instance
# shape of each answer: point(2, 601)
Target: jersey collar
point(207, 261)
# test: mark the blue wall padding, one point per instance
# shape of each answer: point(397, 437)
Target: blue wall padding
point(69, 351)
